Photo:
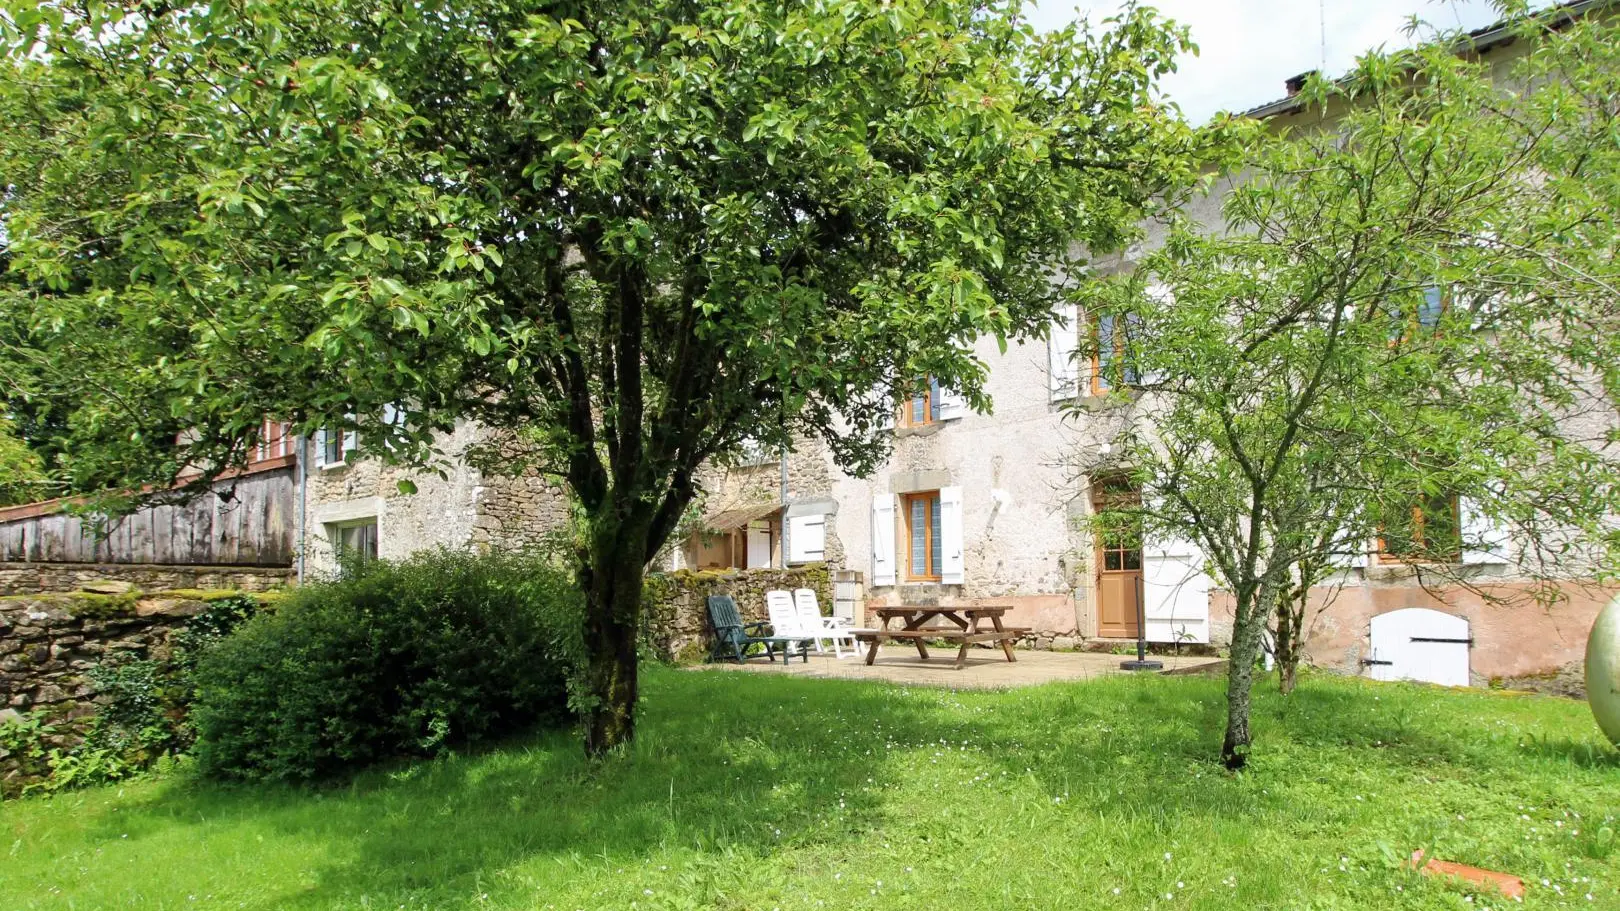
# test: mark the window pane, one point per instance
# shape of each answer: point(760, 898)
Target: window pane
point(933, 400)
point(1429, 311)
point(934, 562)
point(1110, 559)
point(1105, 346)
point(1133, 559)
point(919, 536)
point(919, 410)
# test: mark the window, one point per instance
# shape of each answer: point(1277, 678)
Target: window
point(923, 540)
point(332, 448)
point(1119, 542)
point(1431, 305)
point(1429, 530)
point(923, 408)
point(1112, 355)
point(275, 440)
point(354, 540)
point(1434, 304)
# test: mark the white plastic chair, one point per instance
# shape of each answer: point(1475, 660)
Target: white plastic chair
point(783, 615)
point(835, 630)
point(784, 619)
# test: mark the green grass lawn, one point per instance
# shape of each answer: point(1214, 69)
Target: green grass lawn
point(750, 791)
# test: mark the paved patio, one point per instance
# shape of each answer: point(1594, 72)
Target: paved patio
point(986, 668)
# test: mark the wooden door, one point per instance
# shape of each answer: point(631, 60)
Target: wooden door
point(1119, 563)
point(759, 546)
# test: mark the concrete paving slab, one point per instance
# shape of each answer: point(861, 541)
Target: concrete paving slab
point(986, 668)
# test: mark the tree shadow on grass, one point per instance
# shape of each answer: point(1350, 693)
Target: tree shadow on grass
point(738, 766)
point(720, 765)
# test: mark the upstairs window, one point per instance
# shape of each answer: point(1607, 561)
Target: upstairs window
point(923, 408)
point(1112, 359)
point(1428, 530)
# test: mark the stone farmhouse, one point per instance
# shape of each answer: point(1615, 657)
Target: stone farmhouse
point(980, 508)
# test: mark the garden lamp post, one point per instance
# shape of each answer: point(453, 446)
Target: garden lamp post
point(1141, 663)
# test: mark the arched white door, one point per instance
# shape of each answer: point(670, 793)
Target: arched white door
point(1417, 643)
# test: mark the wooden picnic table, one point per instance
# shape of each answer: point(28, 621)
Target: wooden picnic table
point(962, 624)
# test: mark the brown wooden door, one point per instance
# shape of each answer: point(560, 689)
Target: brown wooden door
point(1119, 564)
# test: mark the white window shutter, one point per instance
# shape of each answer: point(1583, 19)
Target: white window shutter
point(950, 536)
point(807, 539)
point(886, 421)
point(1061, 347)
point(1485, 541)
point(394, 419)
point(1175, 591)
point(883, 543)
point(1161, 294)
point(1355, 559)
point(320, 448)
point(951, 404)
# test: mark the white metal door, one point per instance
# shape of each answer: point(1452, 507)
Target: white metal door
point(759, 547)
point(1419, 644)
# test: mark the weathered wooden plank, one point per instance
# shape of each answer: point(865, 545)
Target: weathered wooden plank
point(256, 526)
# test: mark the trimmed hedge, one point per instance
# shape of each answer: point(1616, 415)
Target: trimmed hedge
point(393, 659)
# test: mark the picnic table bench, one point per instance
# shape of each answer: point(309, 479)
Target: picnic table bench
point(962, 624)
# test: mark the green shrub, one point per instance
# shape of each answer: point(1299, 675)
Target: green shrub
point(392, 659)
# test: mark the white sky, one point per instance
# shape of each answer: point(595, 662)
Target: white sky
point(1248, 47)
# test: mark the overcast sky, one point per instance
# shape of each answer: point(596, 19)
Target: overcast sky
point(1248, 47)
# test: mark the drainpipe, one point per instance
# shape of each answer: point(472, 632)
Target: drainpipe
point(783, 456)
point(303, 499)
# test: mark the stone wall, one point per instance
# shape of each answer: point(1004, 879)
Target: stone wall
point(462, 508)
point(51, 643)
point(35, 578)
point(1513, 635)
point(675, 612)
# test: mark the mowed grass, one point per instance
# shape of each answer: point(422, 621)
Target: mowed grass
point(750, 791)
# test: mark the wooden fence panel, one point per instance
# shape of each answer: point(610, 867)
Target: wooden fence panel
point(248, 521)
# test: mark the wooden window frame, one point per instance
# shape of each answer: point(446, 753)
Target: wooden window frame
point(930, 501)
point(1386, 556)
point(1414, 324)
point(929, 399)
point(1099, 382)
point(341, 438)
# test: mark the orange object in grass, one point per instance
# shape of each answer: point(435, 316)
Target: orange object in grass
point(1508, 885)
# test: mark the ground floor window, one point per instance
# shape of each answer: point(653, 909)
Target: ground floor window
point(923, 548)
point(355, 540)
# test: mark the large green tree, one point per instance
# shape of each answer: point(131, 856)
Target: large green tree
point(1402, 328)
point(632, 232)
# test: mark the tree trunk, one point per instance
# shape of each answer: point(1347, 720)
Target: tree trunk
point(1248, 622)
point(612, 578)
point(1285, 648)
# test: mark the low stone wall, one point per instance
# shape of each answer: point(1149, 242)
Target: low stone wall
point(51, 643)
point(1513, 636)
point(35, 578)
point(675, 614)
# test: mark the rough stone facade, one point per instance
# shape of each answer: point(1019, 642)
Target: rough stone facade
point(34, 578)
point(675, 619)
point(50, 643)
point(464, 508)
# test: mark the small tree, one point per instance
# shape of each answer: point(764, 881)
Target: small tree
point(1398, 311)
point(631, 233)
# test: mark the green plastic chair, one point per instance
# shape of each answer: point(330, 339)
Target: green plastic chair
point(734, 639)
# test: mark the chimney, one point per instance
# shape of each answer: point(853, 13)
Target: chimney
point(1295, 83)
